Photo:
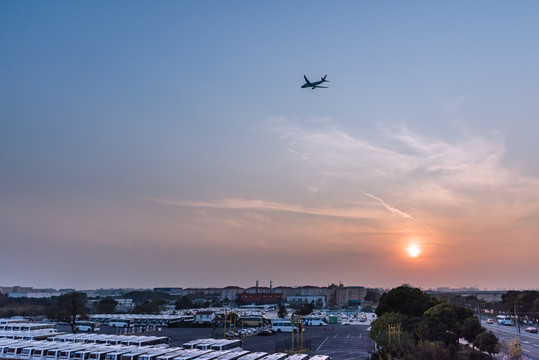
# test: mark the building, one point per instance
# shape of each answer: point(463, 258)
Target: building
point(261, 298)
point(285, 290)
point(316, 300)
point(169, 290)
point(258, 289)
point(345, 295)
point(34, 295)
point(230, 292)
point(203, 317)
point(311, 291)
point(16, 289)
point(201, 291)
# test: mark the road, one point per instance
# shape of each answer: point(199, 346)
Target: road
point(528, 342)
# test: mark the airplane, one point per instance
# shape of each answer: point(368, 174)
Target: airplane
point(314, 84)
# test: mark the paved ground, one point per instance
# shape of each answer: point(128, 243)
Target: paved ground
point(341, 342)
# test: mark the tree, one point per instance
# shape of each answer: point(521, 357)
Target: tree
point(367, 308)
point(428, 350)
point(140, 297)
point(4, 299)
point(106, 305)
point(391, 335)
point(305, 309)
point(281, 313)
point(471, 327)
point(405, 300)
point(184, 303)
point(68, 307)
point(524, 300)
point(439, 323)
point(149, 307)
point(380, 327)
point(372, 295)
point(487, 341)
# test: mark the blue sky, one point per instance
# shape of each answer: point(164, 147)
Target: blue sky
point(169, 143)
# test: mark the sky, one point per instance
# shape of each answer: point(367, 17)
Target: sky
point(170, 143)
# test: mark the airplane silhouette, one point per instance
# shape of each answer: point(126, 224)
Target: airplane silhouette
point(314, 84)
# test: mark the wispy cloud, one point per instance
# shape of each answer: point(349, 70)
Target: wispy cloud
point(262, 205)
point(388, 207)
point(437, 177)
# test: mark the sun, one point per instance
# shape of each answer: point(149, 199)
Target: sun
point(413, 250)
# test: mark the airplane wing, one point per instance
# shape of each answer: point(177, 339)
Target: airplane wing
point(307, 80)
point(325, 87)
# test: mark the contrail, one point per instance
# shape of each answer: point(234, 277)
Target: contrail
point(388, 207)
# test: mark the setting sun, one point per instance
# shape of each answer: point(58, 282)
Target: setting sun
point(413, 250)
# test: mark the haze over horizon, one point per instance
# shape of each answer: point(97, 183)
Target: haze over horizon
point(170, 144)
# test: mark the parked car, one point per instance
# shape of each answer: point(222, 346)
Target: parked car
point(490, 321)
point(265, 333)
point(531, 329)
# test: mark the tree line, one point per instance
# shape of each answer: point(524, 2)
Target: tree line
point(413, 325)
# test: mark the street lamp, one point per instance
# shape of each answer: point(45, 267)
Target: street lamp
point(516, 317)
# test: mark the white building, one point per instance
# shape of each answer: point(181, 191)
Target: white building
point(202, 317)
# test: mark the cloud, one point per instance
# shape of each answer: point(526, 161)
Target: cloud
point(262, 205)
point(465, 178)
point(388, 207)
point(437, 178)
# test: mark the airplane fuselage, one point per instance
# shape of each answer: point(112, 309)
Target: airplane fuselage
point(314, 84)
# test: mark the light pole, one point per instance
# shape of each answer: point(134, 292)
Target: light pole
point(516, 317)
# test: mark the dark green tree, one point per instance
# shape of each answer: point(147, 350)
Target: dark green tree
point(488, 342)
point(429, 350)
point(439, 323)
point(408, 301)
point(4, 299)
point(281, 313)
point(184, 303)
point(68, 308)
point(524, 300)
point(106, 305)
point(390, 333)
point(380, 327)
point(305, 309)
point(471, 327)
point(149, 307)
point(405, 300)
point(140, 297)
point(373, 295)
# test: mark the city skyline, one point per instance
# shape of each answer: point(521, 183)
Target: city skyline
point(147, 145)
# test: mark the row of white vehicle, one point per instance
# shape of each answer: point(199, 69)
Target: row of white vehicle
point(110, 339)
point(44, 350)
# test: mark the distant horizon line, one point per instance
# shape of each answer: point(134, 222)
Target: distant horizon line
point(439, 288)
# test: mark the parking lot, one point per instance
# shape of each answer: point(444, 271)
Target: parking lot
point(341, 342)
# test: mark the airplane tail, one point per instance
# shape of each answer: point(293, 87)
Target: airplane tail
point(324, 79)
